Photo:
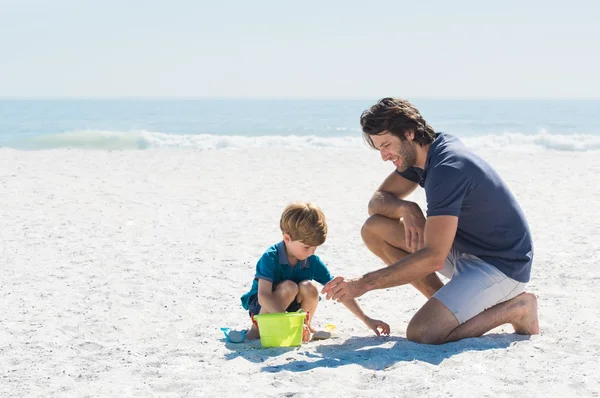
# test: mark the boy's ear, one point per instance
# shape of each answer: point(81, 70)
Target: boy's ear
point(287, 238)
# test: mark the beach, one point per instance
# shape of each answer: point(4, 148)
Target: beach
point(120, 267)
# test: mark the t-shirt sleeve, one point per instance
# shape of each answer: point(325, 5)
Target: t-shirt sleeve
point(321, 274)
point(411, 174)
point(265, 268)
point(446, 188)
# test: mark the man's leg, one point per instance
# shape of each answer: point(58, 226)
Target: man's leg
point(520, 311)
point(431, 324)
point(434, 323)
point(477, 299)
point(385, 238)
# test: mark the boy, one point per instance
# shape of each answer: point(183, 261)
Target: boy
point(284, 273)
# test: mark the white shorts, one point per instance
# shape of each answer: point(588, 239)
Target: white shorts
point(474, 285)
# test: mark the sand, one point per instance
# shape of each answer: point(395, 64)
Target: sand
point(117, 270)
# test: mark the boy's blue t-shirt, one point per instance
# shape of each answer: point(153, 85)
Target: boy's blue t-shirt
point(491, 224)
point(274, 267)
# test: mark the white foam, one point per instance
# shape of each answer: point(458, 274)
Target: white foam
point(543, 140)
point(112, 140)
point(138, 140)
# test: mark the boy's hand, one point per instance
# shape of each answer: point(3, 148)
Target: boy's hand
point(376, 325)
point(341, 289)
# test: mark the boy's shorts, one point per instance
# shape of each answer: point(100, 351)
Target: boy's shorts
point(254, 307)
point(474, 285)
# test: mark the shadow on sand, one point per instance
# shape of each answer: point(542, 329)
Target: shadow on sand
point(367, 352)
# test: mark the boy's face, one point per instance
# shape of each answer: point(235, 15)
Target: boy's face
point(298, 249)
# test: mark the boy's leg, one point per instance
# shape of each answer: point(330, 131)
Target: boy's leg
point(308, 298)
point(284, 294)
point(252, 333)
point(385, 238)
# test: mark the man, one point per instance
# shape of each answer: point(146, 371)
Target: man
point(475, 232)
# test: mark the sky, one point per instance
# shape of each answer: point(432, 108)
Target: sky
point(309, 49)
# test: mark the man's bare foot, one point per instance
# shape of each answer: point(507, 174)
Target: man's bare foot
point(526, 321)
point(252, 333)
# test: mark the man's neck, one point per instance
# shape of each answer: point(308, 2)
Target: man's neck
point(422, 155)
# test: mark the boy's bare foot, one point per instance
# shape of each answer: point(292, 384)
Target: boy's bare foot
point(306, 334)
point(527, 320)
point(252, 333)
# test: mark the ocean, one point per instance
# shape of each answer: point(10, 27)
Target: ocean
point(150, 124)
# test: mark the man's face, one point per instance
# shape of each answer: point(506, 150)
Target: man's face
point(402, 154)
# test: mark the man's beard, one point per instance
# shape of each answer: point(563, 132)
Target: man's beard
point(408, 157)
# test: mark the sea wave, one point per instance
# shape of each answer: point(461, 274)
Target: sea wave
point(146, 140)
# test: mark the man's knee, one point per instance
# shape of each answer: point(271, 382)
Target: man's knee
point(432, 324)
point(424, 334)
point(370, 230)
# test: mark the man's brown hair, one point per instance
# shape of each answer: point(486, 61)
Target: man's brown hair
point(396, 116)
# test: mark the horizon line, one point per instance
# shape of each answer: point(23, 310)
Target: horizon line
point(282, 98)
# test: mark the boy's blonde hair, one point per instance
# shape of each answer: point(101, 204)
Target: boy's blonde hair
point(304, 222)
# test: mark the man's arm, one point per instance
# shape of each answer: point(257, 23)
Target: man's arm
point(388, 200)
point(439, 236)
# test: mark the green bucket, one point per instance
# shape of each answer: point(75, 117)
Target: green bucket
point(282, 329)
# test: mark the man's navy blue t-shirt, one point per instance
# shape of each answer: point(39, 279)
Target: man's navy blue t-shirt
point(491, 224)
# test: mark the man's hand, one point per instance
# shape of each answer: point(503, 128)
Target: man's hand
point(341, 289)
point(414, 226)
point(375, 325)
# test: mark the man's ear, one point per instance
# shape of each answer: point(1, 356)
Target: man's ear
point(410, 135)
